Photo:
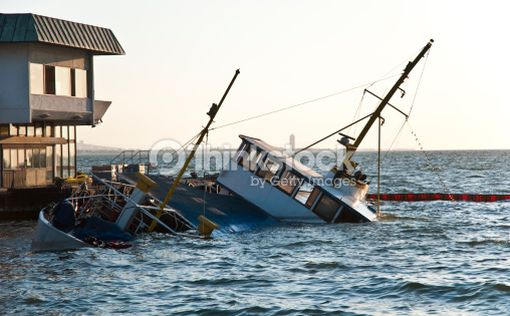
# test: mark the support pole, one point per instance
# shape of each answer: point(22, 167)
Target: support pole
point(212, 114)
point(379, 168)
point(386, 99)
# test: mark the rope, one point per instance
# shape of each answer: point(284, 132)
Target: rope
point(418, 85)
point(429, 163)
point(188, 142)
point(299, 104)
point(205, 185)
point(397, 136)
point(358, 111)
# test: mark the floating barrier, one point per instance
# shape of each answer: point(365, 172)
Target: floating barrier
point(410, 197)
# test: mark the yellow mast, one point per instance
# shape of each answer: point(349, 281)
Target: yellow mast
point(212, 113)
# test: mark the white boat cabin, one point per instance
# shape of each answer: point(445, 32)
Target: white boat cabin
point(289, 191)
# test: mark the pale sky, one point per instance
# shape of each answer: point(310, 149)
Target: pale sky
point(182, 54)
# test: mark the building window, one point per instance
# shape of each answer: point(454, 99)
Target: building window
point(21, 158)
point(38, 130)
point(30, 130)
point(58, 131)
point(49, 79)
point(6, 158)
point(62, 81)
point(13, 130)
point(79, 81)
point(47, 131)
point(46, 79)
point(4, 130)
point(22, 130)
point(14, 158)
point(36, 78)
point(49, 163)
point(58, 160)
point(30, 157)
point(72, 132)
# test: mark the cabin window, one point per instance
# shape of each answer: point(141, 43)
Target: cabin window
point(240, 151)
point(79, 81)
point(313, 197)
point(326, 208)
point(250, 157)
point(288, 181)
point(63, 81)
point(304, 192)
point(36, 78)
point(49, 79)
point(268, 169)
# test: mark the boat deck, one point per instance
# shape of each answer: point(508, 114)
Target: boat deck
point(230, 212)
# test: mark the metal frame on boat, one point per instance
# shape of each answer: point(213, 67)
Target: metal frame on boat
point(111, 202)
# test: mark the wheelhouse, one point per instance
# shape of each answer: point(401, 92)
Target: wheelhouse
point(283, 186)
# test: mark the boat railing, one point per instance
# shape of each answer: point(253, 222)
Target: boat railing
point(112, 198)
point(132, 157)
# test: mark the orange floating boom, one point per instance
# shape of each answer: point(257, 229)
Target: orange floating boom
point(410, 197)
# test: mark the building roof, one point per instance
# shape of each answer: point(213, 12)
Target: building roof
point(33, 28)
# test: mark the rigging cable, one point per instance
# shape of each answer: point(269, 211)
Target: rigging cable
point(429, 163)
point(204, 160)
point(397, 136)
point(299, 104)
point(418, 85)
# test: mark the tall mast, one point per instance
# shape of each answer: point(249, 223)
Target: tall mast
point(386, 99)
point(212, 114)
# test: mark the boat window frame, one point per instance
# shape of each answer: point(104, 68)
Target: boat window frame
point(295, 174)
point(335, 212)
point(263, 164)
point(296, 191)
point(258, 156)
point(315, 201)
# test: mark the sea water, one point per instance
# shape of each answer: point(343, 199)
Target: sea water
point(443, 258)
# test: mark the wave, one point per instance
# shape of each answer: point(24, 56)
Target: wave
point(486, 242)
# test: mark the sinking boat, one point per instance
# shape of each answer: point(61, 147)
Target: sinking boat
point(291, 192)
point(285, 191)
point(107, 214)
point(112, 213)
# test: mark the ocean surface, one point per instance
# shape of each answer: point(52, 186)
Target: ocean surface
point(422, 258)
